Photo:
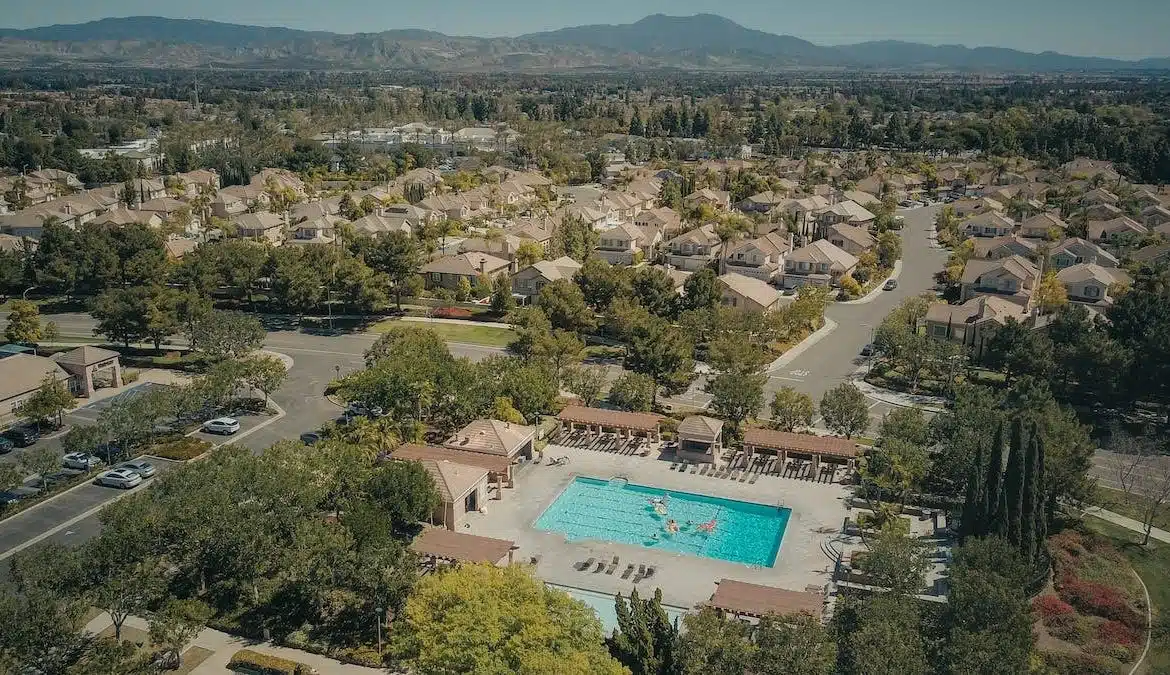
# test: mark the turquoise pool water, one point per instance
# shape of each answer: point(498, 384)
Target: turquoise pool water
point(603, 606)
point(613, 510)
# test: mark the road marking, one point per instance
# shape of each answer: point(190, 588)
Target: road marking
point(790, 379)
point(799, 373)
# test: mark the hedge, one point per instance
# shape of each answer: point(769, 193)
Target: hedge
point(263, 664)
point(181, 449)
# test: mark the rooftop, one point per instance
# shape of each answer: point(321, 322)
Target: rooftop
point(738, 597)
point(457, 546)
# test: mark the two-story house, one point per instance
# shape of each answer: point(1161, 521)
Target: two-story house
point(973, 323)
point(748, 294)
point(847, 212)
point(377, 226)
point(967, 208)
point(1014, 278)
point(1003, 247)
point(321, 230)
point(720, 199)
point(447, 206)
point(1074, 251)
point(528, 281)
point(1155, 216)
point(1043, 226)
point(1098, 196)
point(850, 238)
point(263, 226)
point(1090, 284)
point(1102, 212)
point(694, 250)
point(762, 202)
point(819, 263)
point(989, 224)
point(1109, 231)
point(447, 271)
point(663, 218)
point(627, 244)
point(760, 258)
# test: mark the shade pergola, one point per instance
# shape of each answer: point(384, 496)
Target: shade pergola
point(499, 468)
point(743, 599)
point(781, 443)
point(624, 422)
point(443, 544)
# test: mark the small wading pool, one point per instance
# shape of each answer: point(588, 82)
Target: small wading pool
point(603, 606)
point(712, 527)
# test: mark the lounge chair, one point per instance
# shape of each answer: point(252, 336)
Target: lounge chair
point(674, 466)
point(694, 468)
point(629, 571)
point(582, 566)
point(600, 567)
point(649, 572)
point(753, 480)
point(703, 471)
point(641, 573)
point(612, 565)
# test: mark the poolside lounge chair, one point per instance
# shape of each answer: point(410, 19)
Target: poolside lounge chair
point(641, 573)
point(703, 471)
point(674, 466)
point(694, 468)
point(649, 572)
point(629, 571)
point(753, 480)
point(582, 566)
point(612, 565)
point(600, 566)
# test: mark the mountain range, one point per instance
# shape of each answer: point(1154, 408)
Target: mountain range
point(703, 42)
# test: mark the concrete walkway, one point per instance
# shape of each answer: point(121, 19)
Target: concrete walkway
point(457, 322)
point(1127, 523)
point(934, 404)
point(796, 350)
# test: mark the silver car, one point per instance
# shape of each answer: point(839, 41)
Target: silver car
point(80, 460)
point(139, 466)
point(222, 425)
point(119, 478)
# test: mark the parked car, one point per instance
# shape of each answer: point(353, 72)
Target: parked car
point(222, 425)
point(22, 437)
point(80, 460)
point(358, 409)
point(139, 466)
point(119, 478)
point(5, 446)
point(890, 284)
point(906, 203)
point(867, 350)
point(310, 438)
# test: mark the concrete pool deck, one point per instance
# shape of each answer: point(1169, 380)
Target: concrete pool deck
point(818, 510)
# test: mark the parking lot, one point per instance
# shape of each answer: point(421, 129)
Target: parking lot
point(60, 511)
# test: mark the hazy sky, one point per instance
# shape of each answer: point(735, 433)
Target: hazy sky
point(1116, 28)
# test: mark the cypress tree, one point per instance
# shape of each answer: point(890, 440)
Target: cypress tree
point(999, 522)
point(975, 506)
point(1041, 552)
point(992, 486)
point(1028, 514)
point(1014, 483)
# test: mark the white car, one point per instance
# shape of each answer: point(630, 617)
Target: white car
point(222, 425)
point(119, 478)
point(80, 460)
point(139, 466)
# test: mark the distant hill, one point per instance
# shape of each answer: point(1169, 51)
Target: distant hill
point(699, 42)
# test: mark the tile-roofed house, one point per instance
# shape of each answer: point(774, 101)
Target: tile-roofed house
point(1089, 283)
point(860, 197)
point(966, 208)
point(58, 176)
point(819, 263)
point(1151, 255)
point(694, 249)
point(1102, 212)
point(663, 218)
point(627, 244)
point(762, 202)
point(989, 224)
point(850, 238)
point(320, 230)
point(177, 247)
point(1088, 168)
point(974, 322)
point(192, 181)
point(23, 224)
point(14, 244)
point(536, 229)
point(847, 212)
point(1098, 196)
point(528, 281)
point(376, 226)
point(282, 178)
point(1014, 277)
point(760, 258)
point(262, 225)
point(747, 293)
point(461, 487)
point(717, 198)
point(447, 206)
point(1155, 216)
point(494, 437)
point(1043, 226)
point(1110, 230)
point(1145, 199)
point(1075, 250)
point(1002, 247)
point(21, 375)
point(502, 246)
point(124, 216)
point(700, 439)
point(448, 270)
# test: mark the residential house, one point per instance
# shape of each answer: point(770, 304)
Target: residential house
point(1156, 254)
point(376, 226)
point(973, 323)
point(150, 188)
point(967, 208)
point(177, 247)
point(233, 200)
point(1043, 226)
point(262, 226)
point(121, 215)
point(279, 178)
point(538, 230)
point(760, 258)
point(1003, 247)
point(321, 230)
point(194, 181)
point(1102, 212)
point(169, 209)
point(1089, 168)
point(1155, 216)
point(503, 246)
point(446, 272)
point(1074, 251)
point(1090, 284)
point(593, 215)
point(23, 224)
point(662, 218)
point(627, 244)
point(989, 224)
point(819, 263)
point(762, 202)
point(1014, 278)
point(64, 179)
point(21, 375)
point(1109, 231)
point(13, 244)
point(847, 212)
point(747, 293)
point(1098, 196)
point(695, 249)
point(850, 238)
point(313, 210)
point(447, 206)
point(859, 197)
point(720, 199)
point(677, 277)
point(802, 212)
point(1145, 199)
point(528, 281)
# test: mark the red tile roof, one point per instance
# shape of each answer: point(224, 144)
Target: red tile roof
point(784, 440)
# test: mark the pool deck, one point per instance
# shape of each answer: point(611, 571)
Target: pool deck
point(818, 510)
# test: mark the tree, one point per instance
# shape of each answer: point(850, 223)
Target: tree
point(486, 619)
point(633, 392)
point(701, 291)
point(40, 632)
point(574, 238)
point(122, 578)
point(880, 635)
point(654, 289)
point(906, 424)
point(889, 249)
point(644, 641)
point(398, 255)
point(737, 396)
point(1143, 475)
point(529, 253)
point(264, 373)
point(222, 334)
point(24, 322)
point(564, 305)
point(1051, 294)
point(896, 466)
point(40, 462)
point(122, 314)
point(895, 561)
point(844, 410)
point(795, 644)
point(792, 409)
point(664, 353)
point(176, 624)
point(586, 382)
point(1018, 350)
point(162, 316)
point(502, 300)
point(405, 493)
point(714, 645)
point(51, 400)
point(600, 283)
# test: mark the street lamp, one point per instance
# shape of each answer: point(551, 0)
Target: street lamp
point(24, 295)
point(378, 623)
point(336, 371)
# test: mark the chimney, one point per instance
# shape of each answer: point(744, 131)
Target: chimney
point(482, 265)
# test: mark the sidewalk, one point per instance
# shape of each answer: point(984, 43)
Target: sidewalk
point(934, 404)
point(1127, 523)
point(799, 348)
point(457, 322)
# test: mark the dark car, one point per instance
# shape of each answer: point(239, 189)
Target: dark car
point(5, 446)
point(867, 350)
point(310, 438)
point(22, 437)
point(890, 284)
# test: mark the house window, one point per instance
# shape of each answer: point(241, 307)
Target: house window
point(739, 256)
point(940, 331)
point(804, 267)
point(1092, 292)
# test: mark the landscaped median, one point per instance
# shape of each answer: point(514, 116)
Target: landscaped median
point(248, 662)
point(469, 333)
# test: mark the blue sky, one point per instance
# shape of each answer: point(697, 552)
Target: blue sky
point(1116, 28)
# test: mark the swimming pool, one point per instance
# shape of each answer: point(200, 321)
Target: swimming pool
point(614, 510)
point(603, 606)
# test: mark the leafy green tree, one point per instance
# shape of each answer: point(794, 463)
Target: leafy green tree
point(880, 635)
point(404, 492)
point(645, 640)
point(654, 289)
point(486, 619)
point(895, 561)
point(264, 373)
point(633, 392)
point(737, 396)
point(24, 322)
point(223, 334)
point(701, 291)
point(502, 300)
point(529, 253)
point(296, 286)
point(50, 400)
point(712, 644)
point(574, 238)
point(600, 283)
point(796, 644)
point(1017, 350)
point(40, 632)
point(664, 353)
point(176, 624)
point(463, 291)
point(121, 580)
point(122, 314)
point(241, 265)
point(586, 382)
point(889, 249)
point(792, 409)
point(40, 462)
point(54, 264)
point(844, 410)
point(142, 259)
point(906, 424)
point(564, 305)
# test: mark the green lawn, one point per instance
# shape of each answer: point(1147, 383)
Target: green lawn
point(451, 332)
point(1152, 563)
point(1131, 506)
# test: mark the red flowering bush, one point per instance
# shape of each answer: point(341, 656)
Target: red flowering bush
point(452, 313)
point(1098, 600)
point(1117, 633)
point(1049, 607)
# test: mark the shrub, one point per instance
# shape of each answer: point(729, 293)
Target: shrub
point(181, 449)
point(1117, 633)
point(452, 313)
point(263, 664)
point(1098, 600)
point(1049, 607)
point(1075, 663)
point(1072, 628)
